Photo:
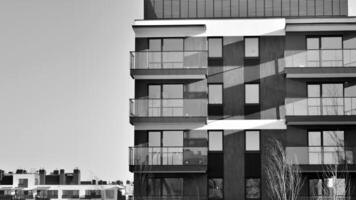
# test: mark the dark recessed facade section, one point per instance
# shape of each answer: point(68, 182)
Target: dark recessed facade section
point(215, 109)
point(169, 169)
point(216, 164)
point(252, 111)
point(252, 164)
point(320, 72)
point(199, 73)
point(321, 120)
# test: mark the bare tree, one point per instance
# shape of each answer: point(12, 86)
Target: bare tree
point(283, 178)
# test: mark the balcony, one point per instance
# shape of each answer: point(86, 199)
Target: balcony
point(321, 110)
point(168, 159)
point(326, 63)
point(315, 158)
point(190, 197)
point(168, 110)
point(169, 65)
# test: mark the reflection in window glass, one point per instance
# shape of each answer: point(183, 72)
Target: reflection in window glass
point(315, 187)
point(253, 188)
point(216, 189)
point(215, 140)
point(332, 90)
point(215, 94)
point(252, 140)
point(251, 47)
point(153, 187)
point(333, 138)
point(215, 47)
point(195, 138)
point(252, 93)
point(172, 186)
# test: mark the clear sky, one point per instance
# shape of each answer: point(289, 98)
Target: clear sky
point(65, 85)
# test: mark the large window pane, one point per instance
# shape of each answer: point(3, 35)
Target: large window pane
point(154, 138)
point(252, 47)
point(315, 187)
point(252, 140)
point(153, 187)
point(252, 93)
point(253, 190)
point(215, 140)
point(154, 44)
point(172, 186)
point(331, 42)
point(333, 138)
point(154, 91)
point(215, 94)
point(173, 138)
point(313, 90)
point(195, 138)
point(313, 43)
point(332, 90)
point(215, 47)
point(216, 190)
point(173, 91)
point(172, 44)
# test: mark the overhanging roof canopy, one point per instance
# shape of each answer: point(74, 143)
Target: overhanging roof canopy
point(209, 28)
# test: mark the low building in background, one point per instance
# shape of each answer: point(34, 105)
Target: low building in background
point(56, 185)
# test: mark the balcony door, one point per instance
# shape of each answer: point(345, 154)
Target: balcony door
point(165, 53)
point(324, 51)
point(326, 147)
point(165, 147)
point(165, 100)
point(326, 99)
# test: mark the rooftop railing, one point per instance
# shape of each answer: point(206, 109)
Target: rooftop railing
point(168, 107)
point(321, 155)
point(146, 156)
point(321, 106)
point(169, 60)
point(321, 58)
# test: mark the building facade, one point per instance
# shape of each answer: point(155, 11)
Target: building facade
point(56, 185)
point(216, 80)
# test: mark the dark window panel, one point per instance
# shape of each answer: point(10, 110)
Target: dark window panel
point(253, 188)
point(328, 7)
point(158, 5)
point(216, 190)
point(343, 7)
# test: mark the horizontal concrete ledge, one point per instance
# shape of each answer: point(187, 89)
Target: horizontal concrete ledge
point(320, 72)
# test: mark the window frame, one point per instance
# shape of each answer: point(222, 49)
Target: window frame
point(259, 94)
point(259, 141)
point(258, 46)
point(222, 140)
point(222, 93)
point(222, 48)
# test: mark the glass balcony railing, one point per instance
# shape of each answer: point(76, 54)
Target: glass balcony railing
point(321, 106)
point(321, 58)
point(170, 197)
point(147, 156)
point(321, 155)
point(338, 197)
point(168, 107)
point(169, 60)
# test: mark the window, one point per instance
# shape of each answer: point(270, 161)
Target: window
point(215, 47)
point(194, 138)
point(215, 93)
point(172, 44)
point(251, 47)
point(164, 186)
point(252, 141)
point(327, 187)
point(216, 188)
point(70, 194)
point(252, 93)
point(93, 193)
point(253, 190)
point(23, 182)
point(109, 194)
point(172, 139)
point(324, 51)
point(215, 140)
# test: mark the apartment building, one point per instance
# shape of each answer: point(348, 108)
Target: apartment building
point(216, 80)
point(23, 185)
